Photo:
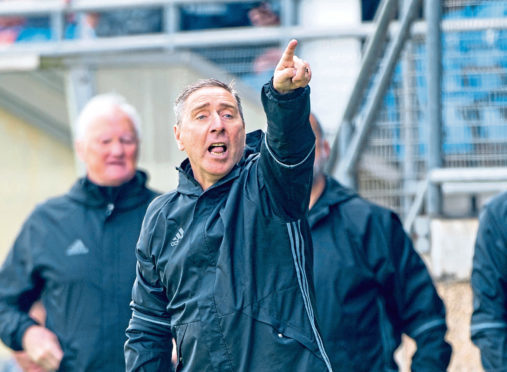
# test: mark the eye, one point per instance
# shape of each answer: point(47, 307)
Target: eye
point(128, 140)
point(105, 141)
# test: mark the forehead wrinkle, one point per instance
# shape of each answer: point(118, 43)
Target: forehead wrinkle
point(199, 107)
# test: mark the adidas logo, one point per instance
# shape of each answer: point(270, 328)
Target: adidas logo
point(177, 238)
point(77, 248)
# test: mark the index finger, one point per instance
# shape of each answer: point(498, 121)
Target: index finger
point(288, 54)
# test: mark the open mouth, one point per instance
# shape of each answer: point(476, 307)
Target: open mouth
point(218, 148)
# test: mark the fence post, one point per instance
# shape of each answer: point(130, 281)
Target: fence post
point(408, 120)
point(433, 15)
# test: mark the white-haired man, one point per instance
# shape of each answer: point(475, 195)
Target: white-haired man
point(76, 252)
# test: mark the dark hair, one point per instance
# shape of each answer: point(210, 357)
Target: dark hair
point(179, 104)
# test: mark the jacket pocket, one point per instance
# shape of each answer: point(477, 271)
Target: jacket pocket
point(284, 348)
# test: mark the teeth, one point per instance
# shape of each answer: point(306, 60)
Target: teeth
point(218, 145)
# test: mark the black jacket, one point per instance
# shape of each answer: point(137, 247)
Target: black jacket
point(371, 286)
point(489, 285)
point(76, 252)
point(224, 271)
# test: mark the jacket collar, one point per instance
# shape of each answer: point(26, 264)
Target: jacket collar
point(188, 185)
point(334, 193)
point(124, 196)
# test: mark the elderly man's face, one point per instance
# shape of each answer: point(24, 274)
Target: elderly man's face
point(109, 149)
point(212, 134)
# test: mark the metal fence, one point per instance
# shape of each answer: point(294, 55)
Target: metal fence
point(394, 161)
point(474, 107)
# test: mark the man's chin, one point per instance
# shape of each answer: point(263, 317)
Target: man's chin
point(220, 171)
point(119, 179)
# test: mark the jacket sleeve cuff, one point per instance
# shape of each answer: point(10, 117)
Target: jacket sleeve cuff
point(17, 344)
point(271, 92)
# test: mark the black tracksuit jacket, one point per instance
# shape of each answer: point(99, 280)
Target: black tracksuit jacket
point(372, 286)
point(489, 285)
point(77, 253)
point(227, 271)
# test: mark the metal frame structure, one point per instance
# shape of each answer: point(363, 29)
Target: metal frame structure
point(78, 55)
point(457, 181)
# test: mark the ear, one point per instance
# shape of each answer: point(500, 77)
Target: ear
point(177, 136)
point(326, 148)
point(80, 150)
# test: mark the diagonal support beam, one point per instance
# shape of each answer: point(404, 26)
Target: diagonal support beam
point(351, 156)
point(373, 48)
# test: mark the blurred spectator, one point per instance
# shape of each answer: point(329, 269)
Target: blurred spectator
point(129, 22)
point(75, 252)
point(263, 15)
point(81, 25)
point(20, 29)
point(9, 29)
point(214, 15)
point(88, 25)
point(489, 285)
point(371, 285)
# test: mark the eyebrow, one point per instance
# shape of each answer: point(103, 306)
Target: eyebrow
point(228, 105)
point(200, 107)
point(221, 106)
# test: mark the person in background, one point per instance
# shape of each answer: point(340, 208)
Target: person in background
point(371, 285)
point(10, 28)
point(213, 15)
point(76, 252)
point(264, 14)
point(223, 259)
point(489, 285)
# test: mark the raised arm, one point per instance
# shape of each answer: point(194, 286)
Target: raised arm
point(287, 153)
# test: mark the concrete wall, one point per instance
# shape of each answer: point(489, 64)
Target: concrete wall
point(34, 167)
point(452, 247)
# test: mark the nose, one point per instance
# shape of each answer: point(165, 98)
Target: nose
point(217, 124)
point(117, 148)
